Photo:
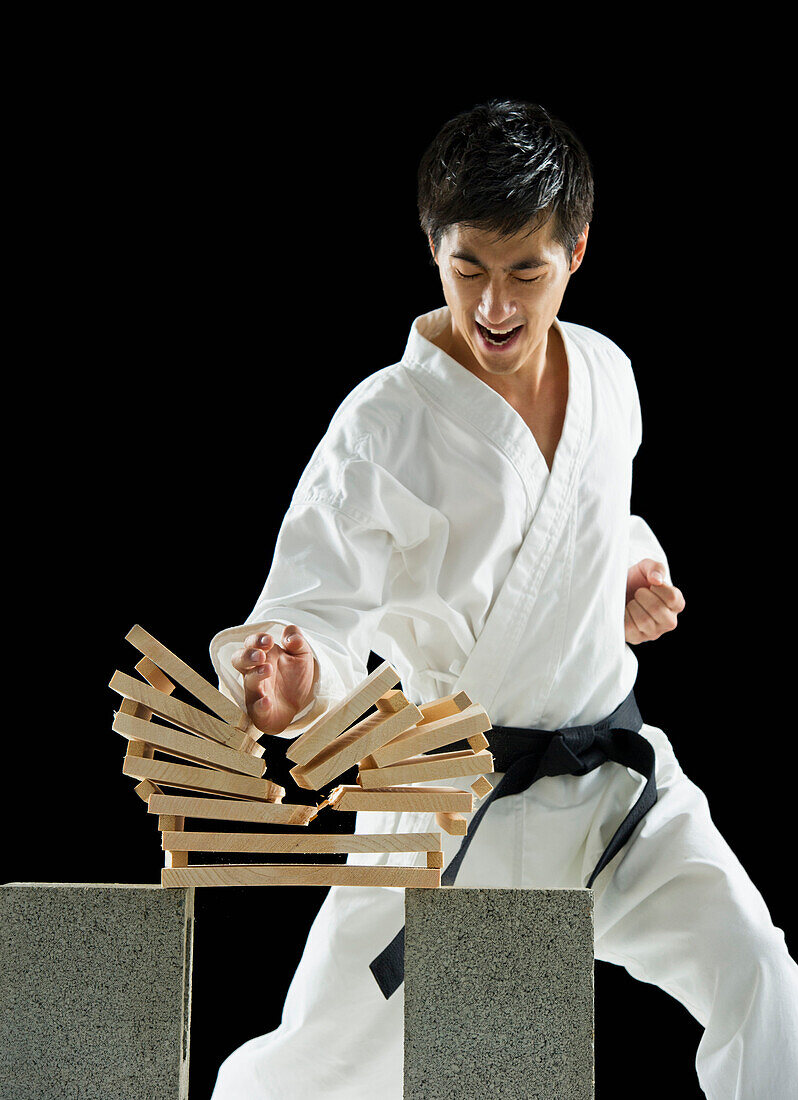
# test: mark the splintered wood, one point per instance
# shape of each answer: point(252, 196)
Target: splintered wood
point(214, 762)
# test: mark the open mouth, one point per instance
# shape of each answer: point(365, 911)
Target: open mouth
point(498, 339)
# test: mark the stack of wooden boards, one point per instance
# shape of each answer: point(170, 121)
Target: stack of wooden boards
point(392, 746)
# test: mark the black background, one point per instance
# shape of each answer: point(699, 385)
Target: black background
point(214, 251)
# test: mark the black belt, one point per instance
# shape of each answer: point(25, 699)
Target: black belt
point(528, 755)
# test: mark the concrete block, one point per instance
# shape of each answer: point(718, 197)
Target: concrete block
point(498, 994)
point(95, 991)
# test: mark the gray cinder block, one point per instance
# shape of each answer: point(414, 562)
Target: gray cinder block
point(95, 991)
point(498, 994)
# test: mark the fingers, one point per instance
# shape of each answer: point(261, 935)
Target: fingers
point(259, 682)
point(259, 691)
point(669, 595)
point(271, 673)
point(256, 646)
point(294, 641)
point(654, 572)
point(641, 619)
point(654, 611)
point(631, 633)
point(253, 654)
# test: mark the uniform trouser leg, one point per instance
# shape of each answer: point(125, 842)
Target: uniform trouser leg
point(675, 908)
point(340, 1038)
point(678, 910)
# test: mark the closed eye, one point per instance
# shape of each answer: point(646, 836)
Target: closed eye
point(462, 275)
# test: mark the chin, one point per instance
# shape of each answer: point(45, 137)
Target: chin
point(499, 365)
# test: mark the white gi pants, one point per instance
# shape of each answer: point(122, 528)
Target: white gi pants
point(674, 907)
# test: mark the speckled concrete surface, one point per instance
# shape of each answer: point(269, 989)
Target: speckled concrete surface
point(95, 991)
point(498, 994)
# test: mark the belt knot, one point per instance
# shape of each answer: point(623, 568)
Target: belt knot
point(572, 751)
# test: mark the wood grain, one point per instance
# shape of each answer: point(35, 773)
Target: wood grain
point(184, 675)
point(300, 874)
point(334, 721)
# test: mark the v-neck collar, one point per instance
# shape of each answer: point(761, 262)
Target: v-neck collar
point(552, 494)
point(460, 392)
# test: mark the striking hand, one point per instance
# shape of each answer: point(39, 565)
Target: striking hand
point(278, 680)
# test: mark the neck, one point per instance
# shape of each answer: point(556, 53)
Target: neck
point(517, 387)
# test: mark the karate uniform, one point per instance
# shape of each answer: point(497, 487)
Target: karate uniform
point(428, 528)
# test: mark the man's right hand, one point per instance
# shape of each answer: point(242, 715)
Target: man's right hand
point(278, 679)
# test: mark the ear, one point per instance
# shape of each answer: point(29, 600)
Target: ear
point(432, 248)
point(579, 250)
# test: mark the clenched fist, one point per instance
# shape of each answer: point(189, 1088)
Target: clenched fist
point(652, 606)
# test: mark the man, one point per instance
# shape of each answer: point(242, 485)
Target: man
point(466, 517)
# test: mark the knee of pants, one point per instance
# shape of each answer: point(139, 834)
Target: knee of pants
point(724, 943)
point(677, 918)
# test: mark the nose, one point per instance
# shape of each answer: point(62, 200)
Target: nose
point(497, 304)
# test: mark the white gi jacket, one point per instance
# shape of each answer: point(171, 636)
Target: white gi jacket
point(427, 528)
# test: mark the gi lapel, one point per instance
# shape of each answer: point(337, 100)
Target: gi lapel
point(484, 670)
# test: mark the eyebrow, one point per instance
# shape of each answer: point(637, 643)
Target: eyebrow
point(522, 265)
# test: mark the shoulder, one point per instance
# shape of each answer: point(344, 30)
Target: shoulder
point(376, 400)
point(609, 365)
point(374, 417)
point(367, 439)
point(612, 377)
point(595, 345)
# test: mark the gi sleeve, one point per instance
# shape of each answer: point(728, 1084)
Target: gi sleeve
point(643, 543)
point(328, 577)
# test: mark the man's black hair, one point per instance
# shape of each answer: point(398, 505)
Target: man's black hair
point(502, 166)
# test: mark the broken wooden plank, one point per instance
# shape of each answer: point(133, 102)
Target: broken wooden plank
point(350, 747)
point(442, 708)
point(184, 675)
point(154, 676)
point(452, 823)
point(221, 809)
point(391, 701)
point(187, 746)
point(182, 714)
point(420, 769)
point(135, 710)
point(397, 799)
point(481, 787)
point(145, 789)
point(167, 774)
point(334, 721)
point(433, 735)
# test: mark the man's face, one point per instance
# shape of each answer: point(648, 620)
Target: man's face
point(503, 294)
